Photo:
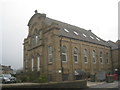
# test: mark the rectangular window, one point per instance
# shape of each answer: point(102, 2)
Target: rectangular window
point(64, 54)
point(75, 55)
point(94, 57)
point(85, 56)
point(38, 63)
point(101, 57)
point(107, 58)
point(50, 58)
point(36, 38)
point(76, 58)
point(32, 64)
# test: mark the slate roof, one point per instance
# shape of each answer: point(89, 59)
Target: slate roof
point(113, 45)
point(6, 68)
point(77, 33)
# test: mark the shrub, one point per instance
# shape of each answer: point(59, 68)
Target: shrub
point(42, 78)
point(31, 77)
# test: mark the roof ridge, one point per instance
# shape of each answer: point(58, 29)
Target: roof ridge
point(80, 32)
point(66, 23)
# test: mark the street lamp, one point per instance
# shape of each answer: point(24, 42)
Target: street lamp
point(59, 71)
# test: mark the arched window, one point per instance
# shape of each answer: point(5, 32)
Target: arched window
point(38, 62)
point(36, 39)
point(107, 60)
point(94, 56)
point(32, 64)
point(33, 40)
point(75, 55)
point(85, 56)
point(101, 57)
point(64, 54)
point(50, 57)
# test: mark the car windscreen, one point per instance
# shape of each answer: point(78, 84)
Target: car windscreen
point(1, 75)
point(7, 75)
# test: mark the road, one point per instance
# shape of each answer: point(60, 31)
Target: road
point(114, 84)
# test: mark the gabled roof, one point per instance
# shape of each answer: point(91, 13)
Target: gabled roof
point(72, 31)
point(35, 15)
point(77, 33)
point(113, 45)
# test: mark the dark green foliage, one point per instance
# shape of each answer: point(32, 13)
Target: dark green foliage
point(42, 79)
point(35, 77)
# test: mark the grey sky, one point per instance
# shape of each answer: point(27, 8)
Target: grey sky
point(101, 16)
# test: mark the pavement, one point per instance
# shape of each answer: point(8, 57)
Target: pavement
point(104, 84)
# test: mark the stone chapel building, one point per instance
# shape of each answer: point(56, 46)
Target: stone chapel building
point(62, 50)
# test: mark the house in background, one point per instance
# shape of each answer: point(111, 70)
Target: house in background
point(115, 54)
point(63, 51)
point(6, 69)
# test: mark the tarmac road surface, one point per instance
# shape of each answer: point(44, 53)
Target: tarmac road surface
point(114, 84)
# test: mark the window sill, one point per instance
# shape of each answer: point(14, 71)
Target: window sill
point(64, 62)
point(75, 62)
point(85, 62)
point(50, 63)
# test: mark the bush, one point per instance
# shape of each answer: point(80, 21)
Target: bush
point(31, 77)
point(42, 78)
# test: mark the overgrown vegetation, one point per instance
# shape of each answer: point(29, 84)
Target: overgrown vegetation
point(35, 77)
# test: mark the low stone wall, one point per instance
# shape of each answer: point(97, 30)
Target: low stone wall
point(66, 84)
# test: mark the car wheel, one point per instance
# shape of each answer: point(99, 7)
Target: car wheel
point(3, 81)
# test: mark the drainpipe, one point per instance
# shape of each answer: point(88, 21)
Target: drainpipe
point(61, 57)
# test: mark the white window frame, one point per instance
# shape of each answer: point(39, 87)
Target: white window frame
point(50, 54)
point(84, 35)
point(94, 56)
point(64, 54)
point(38, 63)
point(32, 64)
point(85, 55)
point(66, 30)
point(92, 37)
point(36, 39)
point(76, 33)
point(76, 55)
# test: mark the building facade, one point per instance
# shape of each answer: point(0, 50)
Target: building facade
point(115, 49)
point(62, 50)
point(6, 69)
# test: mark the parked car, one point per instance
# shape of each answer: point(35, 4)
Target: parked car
point(4, 79)
point(7, 78)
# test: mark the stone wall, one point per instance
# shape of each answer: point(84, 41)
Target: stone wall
point(70, 84)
